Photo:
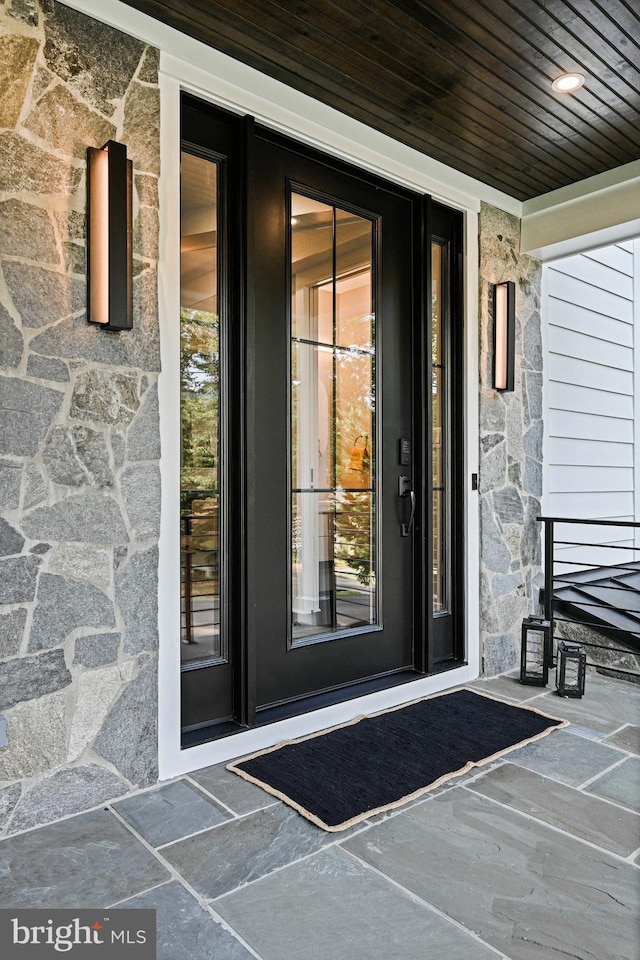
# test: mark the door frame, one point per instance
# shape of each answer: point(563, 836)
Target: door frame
point(288, 113)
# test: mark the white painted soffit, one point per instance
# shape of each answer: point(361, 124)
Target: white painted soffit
point(241, 88)
point(593, 213)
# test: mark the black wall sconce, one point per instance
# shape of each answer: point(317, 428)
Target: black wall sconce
point(109, 237)
point(535, 652)
point(571, 669)
point(504, 334)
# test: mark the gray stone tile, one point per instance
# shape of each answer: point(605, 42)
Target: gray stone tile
point(579, 731)
point(507, 685)
point(618, 699)
point(626, 739)
point(86, 861)
point(185, 930)
point(606, 704)
point(565, 757)
point(561, 806)
point(577, 712)
point(170, 813)
point(621, 784)
point(237, 794)
point(529, 891)
point(239, 851)
point(331, 906)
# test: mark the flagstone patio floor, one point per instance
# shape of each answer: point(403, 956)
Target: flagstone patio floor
point(535, 857)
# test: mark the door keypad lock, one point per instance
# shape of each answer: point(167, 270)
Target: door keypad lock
point(405, 489)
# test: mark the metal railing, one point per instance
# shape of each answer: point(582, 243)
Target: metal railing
point(584, 578)
point(199, 563)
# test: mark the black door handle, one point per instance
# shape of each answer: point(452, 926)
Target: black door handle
point(405, 490)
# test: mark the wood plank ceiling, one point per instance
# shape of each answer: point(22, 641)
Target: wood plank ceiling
point(465, 81)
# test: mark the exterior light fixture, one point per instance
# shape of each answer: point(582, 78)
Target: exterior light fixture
point(504, 334)
point(109, 237)
point(535, 654)
point(571, 669)
point(567, 83)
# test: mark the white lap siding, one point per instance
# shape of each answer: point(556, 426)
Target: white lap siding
point(592, 364)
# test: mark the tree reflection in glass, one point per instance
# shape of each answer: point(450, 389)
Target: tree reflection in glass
point(199, 411)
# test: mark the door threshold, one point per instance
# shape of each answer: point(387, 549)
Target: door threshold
point(352, 691)
point(295, 708)
point(208, 732)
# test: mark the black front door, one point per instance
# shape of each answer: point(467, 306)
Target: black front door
point(330, 465)
point(320, 365)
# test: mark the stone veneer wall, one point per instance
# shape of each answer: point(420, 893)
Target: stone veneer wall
point(511, 429)
point(79, 425)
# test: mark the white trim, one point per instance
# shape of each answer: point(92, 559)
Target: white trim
point(617, 176)
point(237, 88)
point(471, 380)
point(168, 392)
point(594, 213)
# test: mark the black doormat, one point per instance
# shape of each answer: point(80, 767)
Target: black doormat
point(343, 775)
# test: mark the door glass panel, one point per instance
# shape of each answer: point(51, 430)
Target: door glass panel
point(333, 501)
point(439, 450)
point(354, 304)
point(199, 412)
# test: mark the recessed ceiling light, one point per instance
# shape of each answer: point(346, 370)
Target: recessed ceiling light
point(567, 83)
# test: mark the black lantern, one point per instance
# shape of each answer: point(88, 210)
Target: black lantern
point(536, 651)
point(571, 669)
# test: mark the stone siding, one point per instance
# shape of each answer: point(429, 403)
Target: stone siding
point(511, 431)
point(79, 425)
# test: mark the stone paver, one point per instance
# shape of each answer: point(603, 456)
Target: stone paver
point(507, 685)
point(239, 851)
point(628, 738)
point(578, 813)
point(170, 813)
point(234, 792)
point(621, 784)
point(607, 704)
point(528, 890)
point(87, 861)
point(331, 905)
point(185, 929)
point(565, 757)
point(588, 732)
